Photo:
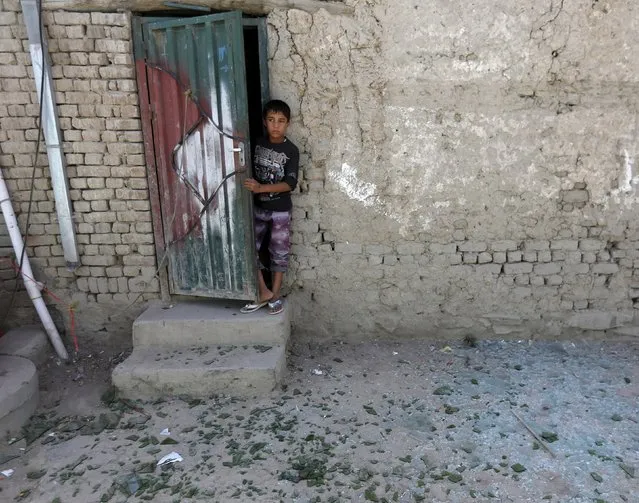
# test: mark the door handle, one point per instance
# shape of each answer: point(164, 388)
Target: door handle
point(240, 150)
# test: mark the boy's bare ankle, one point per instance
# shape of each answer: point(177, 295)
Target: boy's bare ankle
point(275, 294)
point(264, 296)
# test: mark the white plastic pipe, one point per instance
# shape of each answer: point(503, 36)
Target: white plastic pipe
point(33, 288)
point(51, 129)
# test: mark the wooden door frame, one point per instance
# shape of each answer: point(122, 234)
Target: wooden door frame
point(146, 115)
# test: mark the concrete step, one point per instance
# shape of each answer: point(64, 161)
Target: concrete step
point(29, 342)
point(19, 394)
point(200, 371)
point(209, 323)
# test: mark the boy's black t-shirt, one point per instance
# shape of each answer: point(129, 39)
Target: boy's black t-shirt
point(275, 163)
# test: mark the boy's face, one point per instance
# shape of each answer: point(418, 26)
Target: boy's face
point(276, 124)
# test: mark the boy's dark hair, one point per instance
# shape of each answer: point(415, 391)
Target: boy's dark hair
point(277, 106)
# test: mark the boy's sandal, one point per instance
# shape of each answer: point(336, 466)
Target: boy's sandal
point(253, 306)
point(275, 306)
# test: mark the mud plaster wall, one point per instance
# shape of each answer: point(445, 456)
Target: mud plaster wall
point(468, 167)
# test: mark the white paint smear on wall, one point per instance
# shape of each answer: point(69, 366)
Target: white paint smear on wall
point(628, 182)
point(353, 187)
point(366, 193)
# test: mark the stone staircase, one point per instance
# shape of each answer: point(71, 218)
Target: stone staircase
point(202, 348)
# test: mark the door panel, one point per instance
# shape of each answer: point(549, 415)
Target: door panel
point(197, 94)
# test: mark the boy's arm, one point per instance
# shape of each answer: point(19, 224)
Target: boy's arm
point(257, 187)
point(290, 178)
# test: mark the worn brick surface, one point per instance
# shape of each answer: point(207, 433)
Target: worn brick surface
point(86, 69)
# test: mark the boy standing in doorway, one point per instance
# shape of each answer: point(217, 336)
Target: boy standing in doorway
point(275, 169)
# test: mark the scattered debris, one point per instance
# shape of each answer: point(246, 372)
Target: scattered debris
point(550, 437)
point(313, 437)
point(36, 474)
point(7, 473)
point(172, 457)
point(370, 410)
point(24, 493)
point(630, 470)
point(449, 409)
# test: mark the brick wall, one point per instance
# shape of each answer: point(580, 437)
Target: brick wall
point(97, 99)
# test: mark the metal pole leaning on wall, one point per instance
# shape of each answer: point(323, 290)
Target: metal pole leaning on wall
point(33, 288)
point(51, 128)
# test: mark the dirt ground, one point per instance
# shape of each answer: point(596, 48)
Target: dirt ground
point(377, 421)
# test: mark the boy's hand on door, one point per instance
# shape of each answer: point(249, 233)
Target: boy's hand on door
point(253, 185)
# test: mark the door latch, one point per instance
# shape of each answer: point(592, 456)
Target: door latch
point(240, 149)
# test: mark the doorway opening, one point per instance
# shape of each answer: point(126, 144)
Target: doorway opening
point(254, 86)
point(257, 93)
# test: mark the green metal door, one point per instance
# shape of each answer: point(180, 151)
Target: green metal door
point(194, 73)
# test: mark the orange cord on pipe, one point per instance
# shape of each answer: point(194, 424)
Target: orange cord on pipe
point(70, 307)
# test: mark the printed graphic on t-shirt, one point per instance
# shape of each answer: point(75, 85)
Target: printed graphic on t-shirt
point(269, 165)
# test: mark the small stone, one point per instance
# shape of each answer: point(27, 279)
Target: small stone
point(454, 477)
point(518, 468)
point(549, 436)
point(36, 474)
point(443, 390)
point(596, 476)
point(370, 410)
point(369, 494)
point(449, 409)
point(616, 417)
point(23, 494)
